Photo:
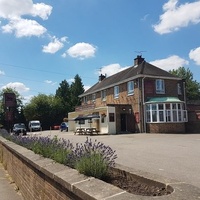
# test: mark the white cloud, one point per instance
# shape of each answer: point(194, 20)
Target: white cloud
point(13, 8)
point(64, 55)
point(19, 87)
point(50, 82)
point(112, 69)
point(55, 45)
point(177, 16)
point(14, 11)
point(2, 72)
point(195, 55)
point(81, 50)
point(24, 28)
point(86, 87)
point(170, 63)
point(70, 80)
point(42, 10)
point(27, 99)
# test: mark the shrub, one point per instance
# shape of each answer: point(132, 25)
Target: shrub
point(90, 158)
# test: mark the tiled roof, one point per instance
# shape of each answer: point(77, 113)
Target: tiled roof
point(142, 70)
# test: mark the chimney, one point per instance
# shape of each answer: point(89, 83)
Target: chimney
point(138, 60)
point(101, 77)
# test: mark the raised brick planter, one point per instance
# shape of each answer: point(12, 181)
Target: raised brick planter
point(39, 178)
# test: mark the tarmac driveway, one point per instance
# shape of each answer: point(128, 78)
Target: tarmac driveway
point(175, 156)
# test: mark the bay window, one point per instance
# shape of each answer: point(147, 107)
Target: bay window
point(165, 112)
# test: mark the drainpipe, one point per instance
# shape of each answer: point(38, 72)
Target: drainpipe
point(139, 101)
point(144, 109)
point(184, 94)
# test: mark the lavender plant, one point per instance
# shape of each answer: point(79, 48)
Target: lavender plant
point(92, 158)
point(89, 158)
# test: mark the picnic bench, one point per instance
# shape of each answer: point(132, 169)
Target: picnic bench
point(90, 131)
point(80, 131)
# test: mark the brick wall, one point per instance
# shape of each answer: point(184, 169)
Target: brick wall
point(166, 128)
point(39, 178)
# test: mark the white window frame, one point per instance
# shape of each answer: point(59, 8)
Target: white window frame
point(85, 99)
point(103, 95)
point(130, 87)
point(93, 97)
point(116, 92)
point(168, 113)
point(160, 86)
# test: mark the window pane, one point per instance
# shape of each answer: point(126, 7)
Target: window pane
point(160, 106)
point(179, 88)
point(161, 116)
point(154, 106)
point(154, 116)
point(148, 107)
point(130, 87)
point(160, 86)
point(173, 106)
point(168, 116)
point(111, 117)
point(167, 106)
point(103, 95)
point(174, 115)
point(148, 116)
point(180, 116)
point(116, 91)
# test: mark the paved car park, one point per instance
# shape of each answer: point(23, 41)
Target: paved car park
point(175, 156)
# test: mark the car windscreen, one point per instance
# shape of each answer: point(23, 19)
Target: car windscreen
point(35, 124)
point(20, 126)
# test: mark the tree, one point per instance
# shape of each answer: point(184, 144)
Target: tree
point(192, 86)
point(64, 94)
point(46, 108)
point(76, 88)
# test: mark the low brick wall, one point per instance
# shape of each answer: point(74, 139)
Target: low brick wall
point(39, 178)
point(165, 127)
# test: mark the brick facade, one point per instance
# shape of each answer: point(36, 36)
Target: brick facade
point(143, 75)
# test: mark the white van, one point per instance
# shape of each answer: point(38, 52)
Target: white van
point(34, 125)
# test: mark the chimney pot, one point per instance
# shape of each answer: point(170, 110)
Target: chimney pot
point(101, 77)
point(138, 60)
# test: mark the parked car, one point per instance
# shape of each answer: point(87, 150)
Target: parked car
point(64, 126)
point(34, 125)
point(56, 127)
point(19, 129)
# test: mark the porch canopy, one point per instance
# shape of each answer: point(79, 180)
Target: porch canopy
point(164, 100)
point(85, 117)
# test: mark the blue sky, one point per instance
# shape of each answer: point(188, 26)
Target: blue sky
point(44, 42)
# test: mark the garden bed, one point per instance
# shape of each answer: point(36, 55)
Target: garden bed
point(134, 186)
point(92, 164)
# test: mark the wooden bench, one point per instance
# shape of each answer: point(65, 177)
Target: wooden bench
point(80, 131)
point(91, 131)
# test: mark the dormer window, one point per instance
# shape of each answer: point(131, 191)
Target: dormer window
point(160, 86)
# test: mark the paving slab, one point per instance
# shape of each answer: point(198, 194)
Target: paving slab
point(8, 189)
